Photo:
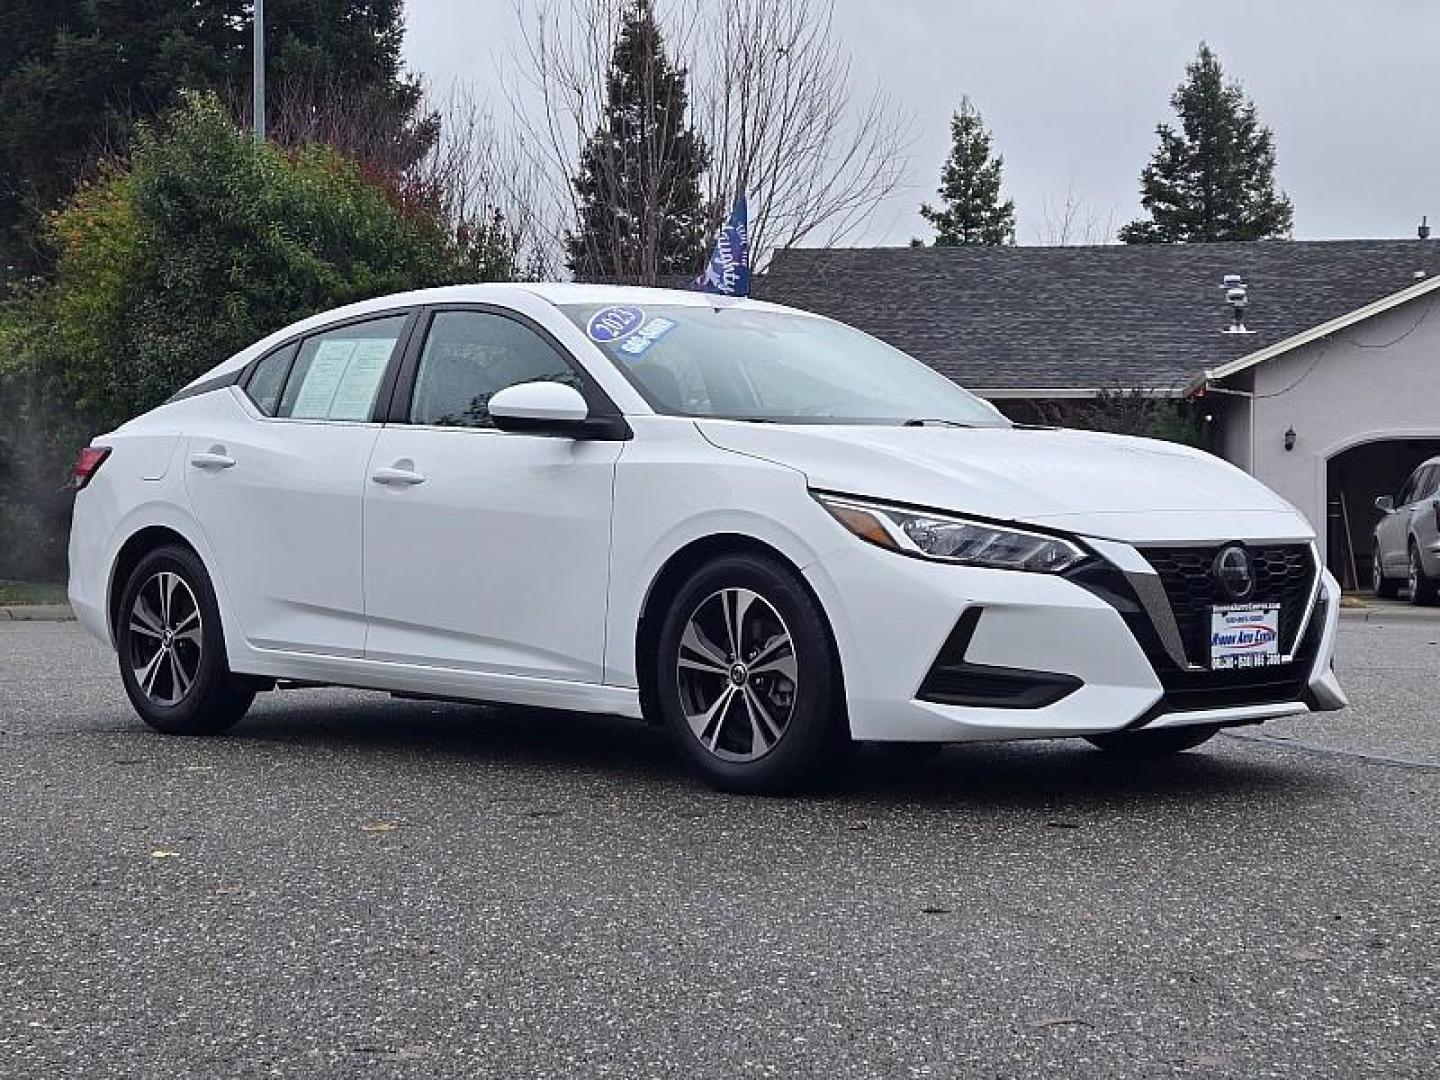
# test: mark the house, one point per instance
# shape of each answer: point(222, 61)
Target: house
point(1330, 395)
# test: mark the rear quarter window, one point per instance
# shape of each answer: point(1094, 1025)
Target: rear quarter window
point(267, 381)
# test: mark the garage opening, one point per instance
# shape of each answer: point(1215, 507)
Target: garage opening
point(1354, 478)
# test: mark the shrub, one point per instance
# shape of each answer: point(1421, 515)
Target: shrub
point(205, 242)
point(199, 244)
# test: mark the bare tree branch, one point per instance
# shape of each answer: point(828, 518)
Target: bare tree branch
point(770, 94)
point(1073, 222)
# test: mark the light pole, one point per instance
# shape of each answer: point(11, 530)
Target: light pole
point(259, 79)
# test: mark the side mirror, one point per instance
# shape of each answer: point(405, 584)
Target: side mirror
point(540, 408)
point(1385, 504)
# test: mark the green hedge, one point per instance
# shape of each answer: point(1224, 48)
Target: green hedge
point(198, 245)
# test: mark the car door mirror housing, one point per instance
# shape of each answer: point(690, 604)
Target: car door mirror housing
point(546, 408)
point(1385, 504)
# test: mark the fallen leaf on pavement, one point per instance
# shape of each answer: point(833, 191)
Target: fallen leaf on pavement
point(382, 826)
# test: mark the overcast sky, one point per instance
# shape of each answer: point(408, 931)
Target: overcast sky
point(1073, 89)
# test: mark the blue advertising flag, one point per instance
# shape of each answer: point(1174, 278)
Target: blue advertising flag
point(729, 270)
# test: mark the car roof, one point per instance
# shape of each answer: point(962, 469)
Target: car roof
point(558, 293)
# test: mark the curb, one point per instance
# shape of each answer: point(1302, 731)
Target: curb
point(1368, 614)
point(37, 613)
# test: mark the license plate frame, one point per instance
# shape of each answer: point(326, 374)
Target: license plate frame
point(1245, 636)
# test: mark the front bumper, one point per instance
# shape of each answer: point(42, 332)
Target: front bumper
point(894, 616)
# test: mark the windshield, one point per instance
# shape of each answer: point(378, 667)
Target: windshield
point(741, 363)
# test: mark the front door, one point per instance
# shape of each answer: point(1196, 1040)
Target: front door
point(278, 487)
point(486, 550)
point(1394, 528)
point(1425, 516)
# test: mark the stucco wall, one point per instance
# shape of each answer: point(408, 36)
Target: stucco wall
point(1337, 394)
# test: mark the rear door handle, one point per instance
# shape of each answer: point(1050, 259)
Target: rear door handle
point(397, 476)
point(211, 459)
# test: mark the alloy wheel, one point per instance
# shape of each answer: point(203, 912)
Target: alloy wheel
point(737, 672)
point(1414, 575)
point(165, 638)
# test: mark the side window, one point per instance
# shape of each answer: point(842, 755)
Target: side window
point(268, 379)
point(338, 372)
point(471, 355)
point(1408, 493)
point(1425, 486)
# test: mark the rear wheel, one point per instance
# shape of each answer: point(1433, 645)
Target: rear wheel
point(1424, 590)
point(172, 649)
point(1384, 587)
point(1154, 743)
point(747, 680)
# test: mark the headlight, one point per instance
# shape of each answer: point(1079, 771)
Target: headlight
point(953, 539)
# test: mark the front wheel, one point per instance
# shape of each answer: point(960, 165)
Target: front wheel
point(172, 649)
point(747, 680)
point(1384, 587)
point(1424, 590)
point(1155, 743)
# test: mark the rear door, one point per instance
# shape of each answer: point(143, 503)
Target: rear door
point(487, 550)
point(277, 480)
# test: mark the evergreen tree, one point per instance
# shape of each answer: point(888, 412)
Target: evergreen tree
point(1214, 179)
point(973, 212)
point(641, 215)
point(76, 75)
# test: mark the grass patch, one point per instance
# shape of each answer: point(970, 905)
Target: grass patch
point(30, 592)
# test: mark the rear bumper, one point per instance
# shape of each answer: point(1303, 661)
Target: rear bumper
point(895, 617)
point(89, 583)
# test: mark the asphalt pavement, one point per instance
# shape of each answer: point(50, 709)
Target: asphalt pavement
point(350, 885)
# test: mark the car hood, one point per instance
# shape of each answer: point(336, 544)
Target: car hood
point(1110, 486)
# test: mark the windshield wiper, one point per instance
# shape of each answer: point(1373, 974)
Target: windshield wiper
point(927, 421)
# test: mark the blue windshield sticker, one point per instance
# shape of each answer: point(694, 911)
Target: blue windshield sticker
point(614, 323)
point(646, 336)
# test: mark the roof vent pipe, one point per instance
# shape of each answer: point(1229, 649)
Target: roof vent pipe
point(1424, 229)
point(1238, 298)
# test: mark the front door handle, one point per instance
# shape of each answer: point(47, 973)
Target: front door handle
point(397, 476)
point(214, 458)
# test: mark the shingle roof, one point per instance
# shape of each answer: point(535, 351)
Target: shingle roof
point(1132, 317)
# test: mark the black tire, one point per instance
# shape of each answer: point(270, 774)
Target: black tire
point(732, 749)
point(1424, 590)
point(1155, 743)
point(154, 666)
point(1385, 588)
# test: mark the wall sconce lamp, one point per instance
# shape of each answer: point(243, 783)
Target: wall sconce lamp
point(1290, 439)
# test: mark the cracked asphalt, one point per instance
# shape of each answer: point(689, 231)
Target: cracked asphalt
point(350, 885)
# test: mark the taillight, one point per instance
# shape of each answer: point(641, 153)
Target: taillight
point(90, 459)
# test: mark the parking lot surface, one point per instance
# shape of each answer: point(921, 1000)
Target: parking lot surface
point(350, 885)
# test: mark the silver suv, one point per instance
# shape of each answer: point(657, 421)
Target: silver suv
point(1407, 539)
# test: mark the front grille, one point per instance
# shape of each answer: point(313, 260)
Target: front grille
point(1203, 688)
point(1284, 574)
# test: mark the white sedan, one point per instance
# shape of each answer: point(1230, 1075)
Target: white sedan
point(760, 529)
